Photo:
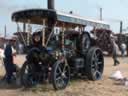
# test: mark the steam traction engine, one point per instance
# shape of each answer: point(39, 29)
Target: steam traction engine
point(58, 51)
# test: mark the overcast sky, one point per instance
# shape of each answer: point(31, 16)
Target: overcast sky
point(113, 10)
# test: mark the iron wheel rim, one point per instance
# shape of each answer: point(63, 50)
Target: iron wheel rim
point(97, 65)
point(62, 75)
point(28, 78)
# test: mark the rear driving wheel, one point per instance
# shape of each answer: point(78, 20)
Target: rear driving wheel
point(60, 75)
point(94, 64)
point(27, 76)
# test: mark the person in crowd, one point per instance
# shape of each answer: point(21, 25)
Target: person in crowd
point(8, 62)
point(37, 41)
point(123, 49)
point(115, 51)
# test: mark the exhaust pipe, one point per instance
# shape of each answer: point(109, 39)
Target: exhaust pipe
point(51, 4)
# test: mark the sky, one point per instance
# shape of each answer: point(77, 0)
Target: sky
point(113, 10)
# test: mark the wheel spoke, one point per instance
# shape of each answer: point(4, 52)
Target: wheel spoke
point(95, 56)
point(58, 82)
point(99, 63)
point(98, 54)
point(64, 69)
point(65, 77)
point(58, 74)
point(64, 73)
point(59, 69)
point(93, 64)
point(62, 81)
point(58, 78)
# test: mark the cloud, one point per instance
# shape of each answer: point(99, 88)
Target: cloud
point(6, 6)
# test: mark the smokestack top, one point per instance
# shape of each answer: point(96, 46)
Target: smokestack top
point(51, 4)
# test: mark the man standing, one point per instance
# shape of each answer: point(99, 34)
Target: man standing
point(8, 62)
point(114, 53)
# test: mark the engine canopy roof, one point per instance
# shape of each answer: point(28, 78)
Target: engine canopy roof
point(35, 16)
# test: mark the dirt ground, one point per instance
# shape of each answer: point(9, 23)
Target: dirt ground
point(104, 87)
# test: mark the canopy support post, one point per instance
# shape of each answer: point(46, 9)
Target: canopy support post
point(43, 33)
point(28, 33)
point(19, 31)
point(63, 29)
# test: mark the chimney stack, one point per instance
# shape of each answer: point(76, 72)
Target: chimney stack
point(51, 4)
